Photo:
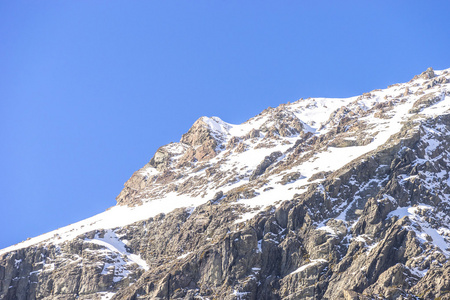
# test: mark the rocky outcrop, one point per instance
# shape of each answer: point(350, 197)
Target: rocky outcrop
point(425, 101)
point(202, 140)
point(262, 167)
point(161, 160)
point(428, 74)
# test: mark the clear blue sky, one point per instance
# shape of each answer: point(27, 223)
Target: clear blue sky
point(90, 89)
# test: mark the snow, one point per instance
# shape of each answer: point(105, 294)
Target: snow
point(184, 255)
point(314, 113)
point(327, 160)
point(418, 272)
point(408, 211)
point(106, 295)
point(227, 130)
point(439, 107)
point(312, 263)
point(246, 216)
point(410, 177)
point(112, 242)
point(239, 295)
point(367, 240)
point(17, 263)
point(343, 215)
point(217, 126)
point(251, 159)
point(117, 216)
point(437, 235)
point(327, 229)
point(260, 246)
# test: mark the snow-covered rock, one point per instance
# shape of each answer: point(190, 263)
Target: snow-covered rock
point(319, 198)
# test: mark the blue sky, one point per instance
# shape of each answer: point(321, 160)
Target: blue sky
point(90, 89)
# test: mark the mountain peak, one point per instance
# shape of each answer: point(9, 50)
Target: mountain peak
point(318, 198)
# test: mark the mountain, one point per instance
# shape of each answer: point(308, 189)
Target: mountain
point(315, 199)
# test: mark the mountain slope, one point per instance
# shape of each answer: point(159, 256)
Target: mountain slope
point(316, 199)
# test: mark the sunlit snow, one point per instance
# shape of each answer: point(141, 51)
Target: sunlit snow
point(313, 113)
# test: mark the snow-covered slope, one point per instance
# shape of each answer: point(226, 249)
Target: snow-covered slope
point(317, 115)
point(309, 149)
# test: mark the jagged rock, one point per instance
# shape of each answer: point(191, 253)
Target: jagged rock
point(160, 160)
point(424, 102)
point(202, 139)
point(254, 133)
point(442, 80)
point(435, 284)
point(319, 175)
point(281, 123)
point(393, 282)
point(428, 74)
point(268, 160)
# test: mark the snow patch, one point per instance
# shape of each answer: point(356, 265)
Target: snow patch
point(312, 263)
point(426, 232)
point(112, 242)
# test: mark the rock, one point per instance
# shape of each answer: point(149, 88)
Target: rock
point(350, 295)
point(261, 168)
point(290, 178)
point(424, 102)
point(217, 197)
point(254, 133)
point(428, 74)
point(202, 136)
point(160, 160)
point(319, 175)
point(442, 80)
point(406, 92)
point(435, 284)
point(393, 282)
point(241, 148)
point(233, 142)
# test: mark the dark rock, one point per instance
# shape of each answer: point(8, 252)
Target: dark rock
point(268, 160)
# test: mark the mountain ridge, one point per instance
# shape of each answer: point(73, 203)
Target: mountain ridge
point(279, 207)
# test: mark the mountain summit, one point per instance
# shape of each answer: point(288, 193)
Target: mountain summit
point(315, 199)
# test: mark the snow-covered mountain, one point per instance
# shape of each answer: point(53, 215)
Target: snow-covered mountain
point(315, 199)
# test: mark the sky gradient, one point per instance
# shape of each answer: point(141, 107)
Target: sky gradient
point(90, 89)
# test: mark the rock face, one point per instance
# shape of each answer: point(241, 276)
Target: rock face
point(316, 199)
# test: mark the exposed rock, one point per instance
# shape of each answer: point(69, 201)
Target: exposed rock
point(240, 148)
point(160, 160)
point(428, 74)
point(233, 142)
point(406, 92)
point(290, 178)
point(435, 284)
point(319, 175)
point(254, 133)
point(200, 137)
point(217, 197)
point(425, 101)
point(268, 160)
point(442, 80)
